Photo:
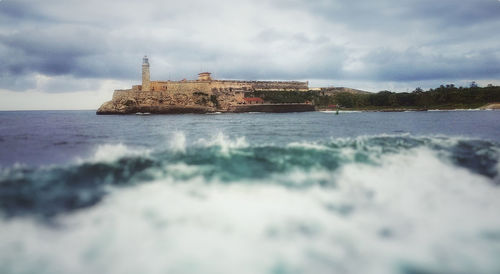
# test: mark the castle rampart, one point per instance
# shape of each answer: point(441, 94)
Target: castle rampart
point(227, 85)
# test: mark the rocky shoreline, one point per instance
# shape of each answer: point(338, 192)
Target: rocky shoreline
point(156, 110)
point(162, 102)
point(157, 102)
point(270, 108)
point(491, 106)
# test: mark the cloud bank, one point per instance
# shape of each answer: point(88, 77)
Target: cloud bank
point(78, 45)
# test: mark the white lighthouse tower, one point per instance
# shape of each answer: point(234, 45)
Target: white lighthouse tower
point(146, 83)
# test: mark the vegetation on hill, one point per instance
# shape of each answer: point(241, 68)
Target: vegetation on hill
point(280, 96)
point(444, 97)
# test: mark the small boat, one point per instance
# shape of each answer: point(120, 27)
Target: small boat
point(142, 113)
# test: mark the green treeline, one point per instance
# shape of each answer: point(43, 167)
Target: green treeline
point(280, 96)
point(447, 96)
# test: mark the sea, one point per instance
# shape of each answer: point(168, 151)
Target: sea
point(315, 192)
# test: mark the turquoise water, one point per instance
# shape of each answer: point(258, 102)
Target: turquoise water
point(414, 192)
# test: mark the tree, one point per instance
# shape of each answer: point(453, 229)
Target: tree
point(418, 90)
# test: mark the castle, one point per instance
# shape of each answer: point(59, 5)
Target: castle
point(199, 96)
point(206, 84)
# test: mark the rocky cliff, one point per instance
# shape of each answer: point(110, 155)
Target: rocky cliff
point(163, 102)
point(130, 101)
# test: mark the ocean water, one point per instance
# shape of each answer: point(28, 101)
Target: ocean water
point(359, 192)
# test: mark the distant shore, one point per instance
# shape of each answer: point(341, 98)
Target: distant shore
point(490, 106)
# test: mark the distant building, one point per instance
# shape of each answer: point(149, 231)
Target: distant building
point(204, 76)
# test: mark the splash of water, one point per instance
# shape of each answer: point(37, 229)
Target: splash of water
point(178, 142)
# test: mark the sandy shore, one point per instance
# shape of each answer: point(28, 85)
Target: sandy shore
point(491, 106)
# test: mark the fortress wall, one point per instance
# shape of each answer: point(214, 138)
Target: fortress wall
point(229, 86)
point(181, 87)
point(261, 85)
point(226, 85)
point(201, 86)
point(124, 93)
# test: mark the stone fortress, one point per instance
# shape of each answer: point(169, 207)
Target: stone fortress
point(205, 83)
point(197, 96)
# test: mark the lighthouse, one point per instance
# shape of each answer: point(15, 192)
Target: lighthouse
point(146, 83)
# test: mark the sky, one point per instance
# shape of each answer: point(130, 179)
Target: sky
point(72, 54)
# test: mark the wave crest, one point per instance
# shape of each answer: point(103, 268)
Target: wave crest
point(223, 142)
point(48, 191)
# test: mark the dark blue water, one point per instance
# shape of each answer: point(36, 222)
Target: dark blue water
point(48, 137)
point(410, 192)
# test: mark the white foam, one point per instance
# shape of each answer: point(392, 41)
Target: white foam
point(178, 142)
point(113, 152)
point(457, 109)
point(308, 145)
point(224, 142)
point(431, 207)
point(497, 178)
point(413, 208)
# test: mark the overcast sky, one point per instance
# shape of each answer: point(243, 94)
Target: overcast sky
point(71, 54)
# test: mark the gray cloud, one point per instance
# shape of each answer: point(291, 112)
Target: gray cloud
point(15, 11)
point(378, 41)
point(387, 13)
point(413, 65)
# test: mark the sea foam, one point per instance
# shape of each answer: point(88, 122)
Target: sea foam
point(113, 152)
point(223, 142)
point(178, 142)
point(408, 210)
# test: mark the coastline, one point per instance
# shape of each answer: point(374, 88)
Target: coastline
point(489, 106)
point(158, 109)
point(282, 109)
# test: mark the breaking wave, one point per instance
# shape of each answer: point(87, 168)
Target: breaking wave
point(372, 204)
point(47, 191)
